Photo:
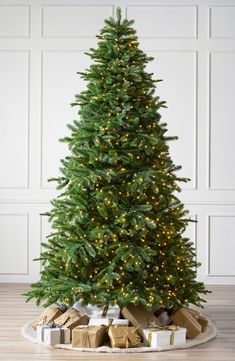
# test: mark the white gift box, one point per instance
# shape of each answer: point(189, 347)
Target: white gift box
point(95, 311)
point(157, 338)
point(53, 335)
point(160, 338)
point(179, 336)
point(97, 321)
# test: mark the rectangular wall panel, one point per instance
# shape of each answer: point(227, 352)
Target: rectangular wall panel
point(14, 21)
point(14, 102)
point(73, 21)
point(221, 245)
point(178, 88)
point(14, 244)
point(59, 85)
point(222, 22)
point(164, 21)
point(222, 124)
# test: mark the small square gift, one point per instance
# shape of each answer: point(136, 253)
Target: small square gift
point(71, 318)
point(185, 319)
point(88, 336)
point(51, 334)
point(139, 317)
point(165, 336)
point(112, 311)
point(49, 314)
point(95, 321)
point(123, 337)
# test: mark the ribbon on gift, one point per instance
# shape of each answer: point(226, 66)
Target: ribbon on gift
point(131, 337)
point(171, 328)
point(85, 338)
point(42, 321)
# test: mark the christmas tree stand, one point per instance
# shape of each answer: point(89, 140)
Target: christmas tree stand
point(204, 337)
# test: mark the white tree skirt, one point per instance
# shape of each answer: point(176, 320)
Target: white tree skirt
point(30, 335)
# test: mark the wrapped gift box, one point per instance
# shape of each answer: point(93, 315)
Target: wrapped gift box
point(88, 336)
point(72, 318)
point(178, 336)
point(157, 338)
point(53, 335)
point(139, 317)
point(48, 315)
point(95, 311)
point(184, 318)
point(201, 319)
point(160, 337)
point(123, 337)
point(96, 321)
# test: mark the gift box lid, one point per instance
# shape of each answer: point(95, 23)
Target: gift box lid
point(157, 332)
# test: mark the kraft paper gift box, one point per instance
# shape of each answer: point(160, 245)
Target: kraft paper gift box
point(95, 311)
point(52, 335)
point(47, 315)
point(123, 337)
point(71, 318)
point(88, 336)
point(139, 317)
point(165, 336)
point(184, 318)
point(96, 321)
point(201, 319)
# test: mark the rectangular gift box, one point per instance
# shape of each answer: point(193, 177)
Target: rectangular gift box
point(49, 314)
point(140, 317)
point(123, 337)
point(88, 336)
point(157, 338)
point(185, 319)
point(72, 318)
point(201, 319)
point(53, 335)
point(95, 321)
point(95, 311)
point(160, 338)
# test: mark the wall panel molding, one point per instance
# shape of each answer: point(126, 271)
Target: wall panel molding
point(14, 113)
point(165, 21)
point(14, 21)
point(14, 257)
point(220, 249)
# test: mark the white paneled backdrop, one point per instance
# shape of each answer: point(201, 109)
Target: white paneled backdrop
point(42, 45)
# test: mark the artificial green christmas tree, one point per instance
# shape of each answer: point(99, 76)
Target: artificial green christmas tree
point(118, 225)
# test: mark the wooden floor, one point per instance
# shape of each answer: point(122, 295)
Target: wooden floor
point(14, 313)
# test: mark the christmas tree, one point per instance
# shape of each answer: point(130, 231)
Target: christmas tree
point(118, 225)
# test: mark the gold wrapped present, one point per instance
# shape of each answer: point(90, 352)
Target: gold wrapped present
point(139, 317)
point(203, 320)
point(185, 319)
point(123, 337)
point(71, 318)
point(49, 314)
point(88, 336)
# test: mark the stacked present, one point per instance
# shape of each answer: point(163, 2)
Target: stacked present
point(90, 327)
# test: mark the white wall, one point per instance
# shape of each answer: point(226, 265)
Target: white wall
point(42, 46)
